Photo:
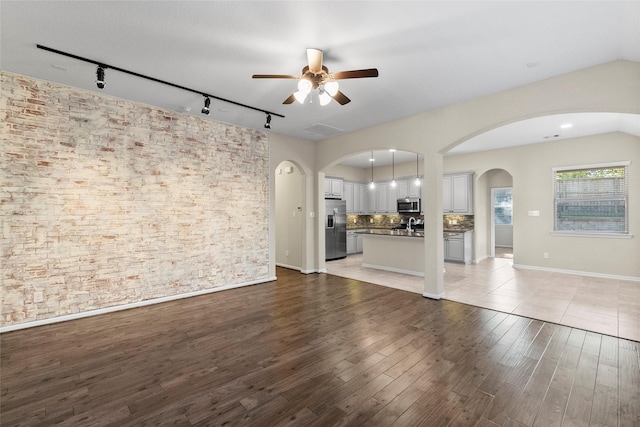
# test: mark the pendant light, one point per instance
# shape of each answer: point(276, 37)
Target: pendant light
point(393, 167)
point(372, 185)
point(417, 176)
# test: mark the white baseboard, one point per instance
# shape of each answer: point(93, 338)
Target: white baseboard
point(290, 267)
point(322, 270)
point(121, 307)
point(578, 273)
point(393, 269)
point(433, 296)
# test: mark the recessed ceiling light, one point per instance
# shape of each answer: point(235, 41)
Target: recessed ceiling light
point(391, 150)
point(566, 126)
point(372, 160)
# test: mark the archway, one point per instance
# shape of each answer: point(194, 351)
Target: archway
point(394, 176)
point(494, 217)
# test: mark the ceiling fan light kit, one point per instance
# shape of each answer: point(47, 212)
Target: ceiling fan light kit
point(317, 76)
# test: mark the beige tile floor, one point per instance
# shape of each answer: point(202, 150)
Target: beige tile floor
point(607, 306)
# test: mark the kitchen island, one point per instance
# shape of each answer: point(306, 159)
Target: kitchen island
point(399, 251)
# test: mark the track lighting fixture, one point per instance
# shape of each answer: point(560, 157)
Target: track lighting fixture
point(205, 109)
point(101, 83)
point(267, 125)
point(100, 77)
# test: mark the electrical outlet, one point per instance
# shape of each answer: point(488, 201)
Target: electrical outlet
point(200, 273)
point(286, 252)
point(545, 255)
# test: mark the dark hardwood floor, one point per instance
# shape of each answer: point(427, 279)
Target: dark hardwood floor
point(316, 350)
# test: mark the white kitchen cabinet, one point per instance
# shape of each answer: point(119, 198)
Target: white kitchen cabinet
point(386, 198)
point(355, 194)
point(371, 199)
point(402, 188)
point(359, 243)
point(392, 199)
point(349, 196)
point(415, 190)
point(458, 246)
point(354, 242)
point(362, 195)
point(382, 190)
point(457, 193)
point(333, 188)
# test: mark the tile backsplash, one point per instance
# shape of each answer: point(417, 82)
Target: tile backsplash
point(450, 222)
point(457, 222)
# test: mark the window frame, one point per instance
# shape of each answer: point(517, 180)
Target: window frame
point(592, 233)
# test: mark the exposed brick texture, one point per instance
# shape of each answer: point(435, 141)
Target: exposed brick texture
point(106, 202)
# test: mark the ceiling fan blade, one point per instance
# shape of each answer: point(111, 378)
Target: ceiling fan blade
point(355, 74)
point(290, 99)
point(274, 76)
point(341, 98)
point(314, 57)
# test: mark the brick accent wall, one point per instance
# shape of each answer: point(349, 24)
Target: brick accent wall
point(107, 202)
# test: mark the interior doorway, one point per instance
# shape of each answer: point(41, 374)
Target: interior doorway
point(289, 215)
point(502, 222)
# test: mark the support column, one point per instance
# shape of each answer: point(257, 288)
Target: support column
point(433, 240)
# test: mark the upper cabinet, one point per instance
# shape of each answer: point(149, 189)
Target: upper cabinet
point(333, 188)
point(386, 197)
point(355, 194)
point(457, 193)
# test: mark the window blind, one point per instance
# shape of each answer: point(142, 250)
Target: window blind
point(591, 199)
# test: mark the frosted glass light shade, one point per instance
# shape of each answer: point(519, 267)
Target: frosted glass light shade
point(304, 87)
point(324, 97)
point(331, 87)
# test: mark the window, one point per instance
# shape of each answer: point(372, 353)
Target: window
point(502, 206)
point(591, 199)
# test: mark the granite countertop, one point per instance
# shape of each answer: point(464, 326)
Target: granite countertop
point(457, 230)
point(394, 233)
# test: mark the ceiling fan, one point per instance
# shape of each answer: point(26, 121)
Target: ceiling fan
point(317, 76)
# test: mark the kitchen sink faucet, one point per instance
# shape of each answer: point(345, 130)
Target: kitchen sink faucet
point(409, 229)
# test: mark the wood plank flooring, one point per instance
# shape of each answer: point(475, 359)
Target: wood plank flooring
point(316, 350)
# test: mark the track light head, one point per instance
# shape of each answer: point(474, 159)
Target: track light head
point(267, 125)
point(100, 77)
point(205, 109)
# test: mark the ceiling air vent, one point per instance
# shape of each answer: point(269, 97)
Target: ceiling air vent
point(324, 130)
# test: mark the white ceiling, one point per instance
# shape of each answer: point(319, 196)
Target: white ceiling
point(429, 53)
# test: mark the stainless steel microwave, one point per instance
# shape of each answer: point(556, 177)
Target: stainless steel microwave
point(409, 205)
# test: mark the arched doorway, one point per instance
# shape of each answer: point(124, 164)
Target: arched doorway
point(494, 218)
point(289, 215)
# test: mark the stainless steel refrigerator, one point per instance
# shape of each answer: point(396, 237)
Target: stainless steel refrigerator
point(335, 229)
